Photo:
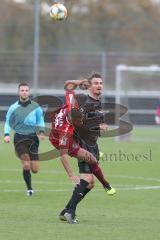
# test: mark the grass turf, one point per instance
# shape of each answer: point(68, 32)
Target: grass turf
point(133, 213)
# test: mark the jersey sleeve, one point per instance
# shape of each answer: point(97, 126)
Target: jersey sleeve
point(40, 120)
point(7, 125)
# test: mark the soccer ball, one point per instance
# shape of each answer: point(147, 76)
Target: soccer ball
point(58, 12)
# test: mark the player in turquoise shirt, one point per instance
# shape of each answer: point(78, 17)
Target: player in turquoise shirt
point(25, 117)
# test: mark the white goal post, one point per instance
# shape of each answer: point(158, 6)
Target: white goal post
point(138, 89)
point(120, 69)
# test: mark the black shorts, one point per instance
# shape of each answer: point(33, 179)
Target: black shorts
point(83, 166)
point(26, 144)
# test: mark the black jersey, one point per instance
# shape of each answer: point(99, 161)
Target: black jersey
point(91, 108)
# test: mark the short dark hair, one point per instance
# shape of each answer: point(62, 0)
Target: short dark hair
point(22, 84)
point(94, 75)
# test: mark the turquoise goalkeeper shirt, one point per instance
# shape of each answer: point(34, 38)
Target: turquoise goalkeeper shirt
point(24, 118)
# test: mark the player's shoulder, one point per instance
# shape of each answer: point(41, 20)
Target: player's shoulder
point(81, 98)
point(14, 105)
point(35, 104)
point(92, 100)
point(36, 107)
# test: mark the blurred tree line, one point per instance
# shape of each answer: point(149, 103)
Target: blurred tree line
point(93, 25)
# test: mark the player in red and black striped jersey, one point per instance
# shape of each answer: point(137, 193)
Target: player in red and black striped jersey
point(62, 138)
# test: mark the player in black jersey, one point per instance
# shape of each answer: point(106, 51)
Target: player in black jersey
point(87, 136)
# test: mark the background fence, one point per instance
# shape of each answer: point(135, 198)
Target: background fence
point(55, 68)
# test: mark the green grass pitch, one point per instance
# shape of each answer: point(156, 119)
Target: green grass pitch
point(132, 167)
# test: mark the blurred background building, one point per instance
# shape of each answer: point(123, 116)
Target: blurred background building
point(98, 35)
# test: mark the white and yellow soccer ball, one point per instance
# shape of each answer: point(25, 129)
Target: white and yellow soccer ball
point(58, 12)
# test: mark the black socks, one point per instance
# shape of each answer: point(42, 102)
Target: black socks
point(27, 178)
point(78, 194)
point(68, 204)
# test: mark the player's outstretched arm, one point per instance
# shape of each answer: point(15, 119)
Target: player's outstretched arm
point(67, 167)
point(73, 84)
point(7, 127)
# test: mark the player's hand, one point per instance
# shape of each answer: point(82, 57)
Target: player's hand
point(7, 139)
point(73, 84)
point(70, 85)
point(74, 179)
point(103, 127)
point(84, 84)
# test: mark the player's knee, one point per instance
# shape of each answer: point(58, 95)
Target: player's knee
point(89, 158)
point(91, 185)
point(86, 156)
point(26, 166)
point(92, 159)
point(34, 166)
point(87, 177)
point(34, 171)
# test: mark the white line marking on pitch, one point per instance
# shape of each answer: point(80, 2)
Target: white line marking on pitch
point(36, 182)
point(63, 172)
point(41, 171)
point(69, 183)
point(136, 177)
point(95, 190)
